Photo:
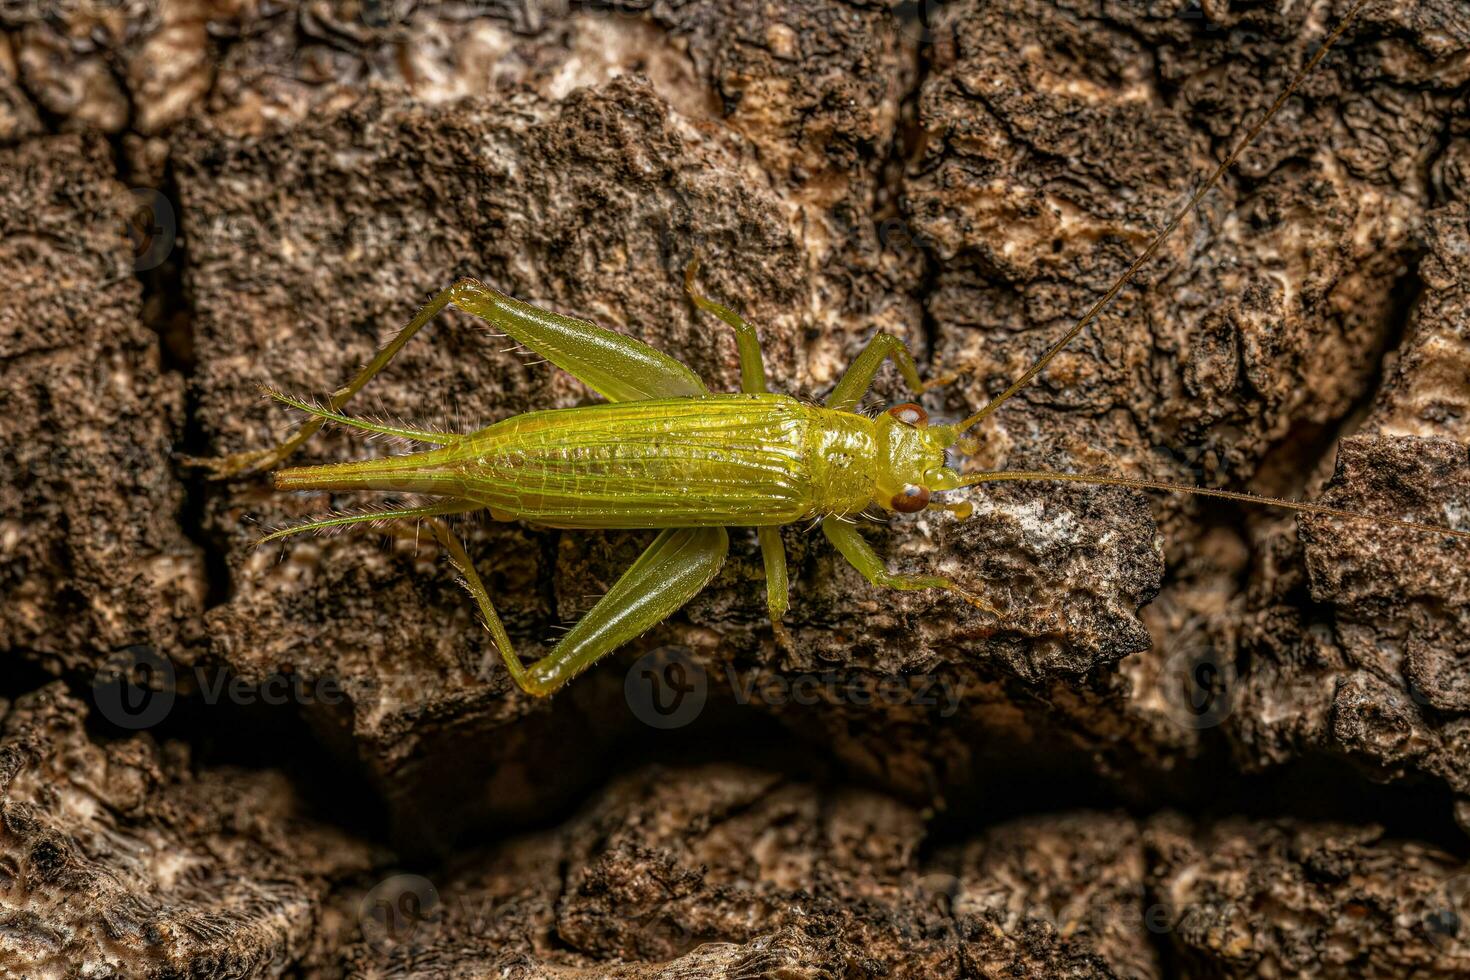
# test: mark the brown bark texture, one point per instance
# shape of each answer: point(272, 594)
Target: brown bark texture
point(1203, 739)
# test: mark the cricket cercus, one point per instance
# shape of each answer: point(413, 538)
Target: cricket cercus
point(665, 453)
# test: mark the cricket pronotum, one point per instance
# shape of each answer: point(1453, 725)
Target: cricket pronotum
point(665, 453)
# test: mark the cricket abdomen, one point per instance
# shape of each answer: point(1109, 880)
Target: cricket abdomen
point(715, 461)
point(724, 460)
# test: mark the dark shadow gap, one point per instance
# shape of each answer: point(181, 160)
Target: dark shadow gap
point(1282, 464)
point(1313, 789)
point(229, 723)
point(20, 677)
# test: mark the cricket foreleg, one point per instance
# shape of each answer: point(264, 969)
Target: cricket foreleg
point(860, 555)
point(859, 376)
point(265, 459)
point(752, 367)
point(673, 569)
point(778, 586)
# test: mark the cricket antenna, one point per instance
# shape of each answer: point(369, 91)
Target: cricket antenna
point(1168, 229)
point(998, 476)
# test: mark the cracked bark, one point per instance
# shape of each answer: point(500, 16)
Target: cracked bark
point(969, 183)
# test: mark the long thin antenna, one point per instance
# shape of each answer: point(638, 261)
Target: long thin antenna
point(1159, 239)
point(1250, 498)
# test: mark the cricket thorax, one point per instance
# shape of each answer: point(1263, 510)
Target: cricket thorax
point(842, 459)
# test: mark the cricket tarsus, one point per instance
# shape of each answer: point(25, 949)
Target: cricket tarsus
point(664, 454)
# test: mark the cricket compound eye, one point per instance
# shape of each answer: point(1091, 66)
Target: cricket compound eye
point(910, 414)
point(911, 499)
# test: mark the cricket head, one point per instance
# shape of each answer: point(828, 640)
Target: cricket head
point(911, 459)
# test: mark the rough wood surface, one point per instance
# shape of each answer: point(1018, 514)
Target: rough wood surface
point(1206, 741)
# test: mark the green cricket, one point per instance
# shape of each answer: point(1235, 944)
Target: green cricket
point(665, 453)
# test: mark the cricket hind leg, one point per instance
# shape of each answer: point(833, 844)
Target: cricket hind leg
point(258, 460)
point(860, 555)
point(671, 571)
point(618, 367)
